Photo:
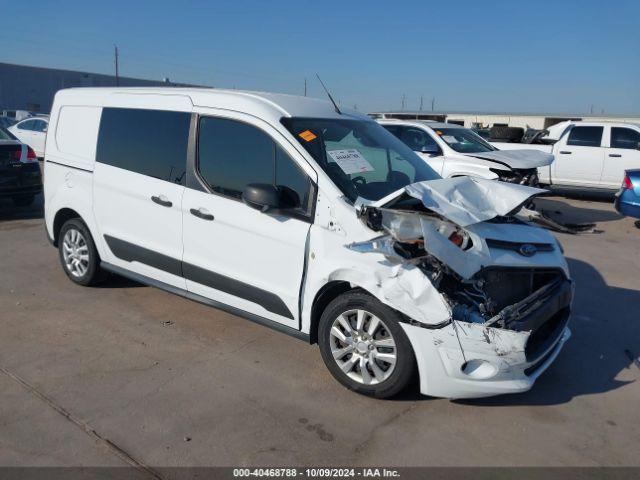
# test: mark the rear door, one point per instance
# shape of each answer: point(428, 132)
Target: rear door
point(235, 254)
point(623, 154)
point(579, 157)
point(137, 191)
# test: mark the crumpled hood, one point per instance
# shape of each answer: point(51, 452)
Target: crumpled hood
point(468, 200)
point(523, 159)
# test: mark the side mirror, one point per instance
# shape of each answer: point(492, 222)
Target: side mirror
point(430, 148)
point(261, 196)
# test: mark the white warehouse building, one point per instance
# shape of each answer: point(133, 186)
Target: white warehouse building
point(488, 120)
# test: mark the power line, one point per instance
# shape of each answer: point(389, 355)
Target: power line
point(116, 62)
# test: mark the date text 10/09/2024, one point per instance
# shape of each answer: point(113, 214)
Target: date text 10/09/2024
point(316, 472)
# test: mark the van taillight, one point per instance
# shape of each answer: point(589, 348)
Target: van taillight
point(626, 183)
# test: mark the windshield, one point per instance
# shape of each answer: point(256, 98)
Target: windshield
point(463, 140)
point(361, 157)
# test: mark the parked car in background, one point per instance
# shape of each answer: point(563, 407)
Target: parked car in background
point(315, 221)
point(33, 132)
point(20, 177)
point(628, 197)
point(453, 151)
point(588, 155)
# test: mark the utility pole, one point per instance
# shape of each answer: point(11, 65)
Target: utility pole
point(433, 103)
point(305, 86)
point(421, 102)
point(403, 99)
point(116, 62)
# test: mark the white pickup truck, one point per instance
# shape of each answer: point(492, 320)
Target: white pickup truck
point(454, 151)
point(588, 155)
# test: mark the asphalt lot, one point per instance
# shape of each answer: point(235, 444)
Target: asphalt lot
point(173, 382)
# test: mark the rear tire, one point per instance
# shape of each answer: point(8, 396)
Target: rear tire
point(78, 254)
point(364, 347)
point(23, 200)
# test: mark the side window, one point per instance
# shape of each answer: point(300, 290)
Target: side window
point(232, 154)
point(40, 125)
point(625, 138)
point(585, 136)
point(416, 139)
point(149, 142)
point(28, 125)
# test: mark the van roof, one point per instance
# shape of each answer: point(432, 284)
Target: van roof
point(264, 105)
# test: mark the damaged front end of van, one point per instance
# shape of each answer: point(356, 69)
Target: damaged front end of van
point(486, 295)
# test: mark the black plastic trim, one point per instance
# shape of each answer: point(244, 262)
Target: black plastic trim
point(268, 300)
point(193, 181)
point(515, 246)
point(129, 252)
point(133, 253)
point(206, 301)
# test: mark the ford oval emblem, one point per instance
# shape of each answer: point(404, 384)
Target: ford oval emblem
point(527, 250)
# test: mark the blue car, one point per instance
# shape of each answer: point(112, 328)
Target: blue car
point(628, 198)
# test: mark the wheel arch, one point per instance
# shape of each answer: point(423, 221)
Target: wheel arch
point(62, 216)
point(324, 297)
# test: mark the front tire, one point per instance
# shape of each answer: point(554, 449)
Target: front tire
point(364, 347)
point(78, 254)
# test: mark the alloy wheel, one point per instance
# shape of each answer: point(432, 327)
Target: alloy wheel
point(75, 253)
point(363, 347)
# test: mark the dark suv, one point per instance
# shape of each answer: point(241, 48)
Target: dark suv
point(20, 177)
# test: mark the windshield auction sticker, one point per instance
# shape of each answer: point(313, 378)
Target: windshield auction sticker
point(350, 161)
point(307, 135)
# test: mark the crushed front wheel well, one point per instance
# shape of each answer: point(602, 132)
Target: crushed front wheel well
point(61, 217)
point(325, 296)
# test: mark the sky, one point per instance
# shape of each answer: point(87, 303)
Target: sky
point(497, 56)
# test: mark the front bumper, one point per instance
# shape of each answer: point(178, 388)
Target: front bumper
point(528, 177)
point(441, 363)
point(471, 360)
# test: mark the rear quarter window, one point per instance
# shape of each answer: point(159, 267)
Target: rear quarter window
point(149, 142)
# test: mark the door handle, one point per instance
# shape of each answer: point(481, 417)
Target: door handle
point(616, 155)
point(161, 200)
point(565, 152)
point(201, 213)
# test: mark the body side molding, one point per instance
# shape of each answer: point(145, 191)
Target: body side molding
point(133, 253)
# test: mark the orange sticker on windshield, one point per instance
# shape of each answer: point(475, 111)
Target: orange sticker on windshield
point(307, 135)
point(438, 132)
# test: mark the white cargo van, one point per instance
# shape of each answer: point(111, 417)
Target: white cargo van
point(314, 221)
